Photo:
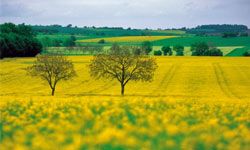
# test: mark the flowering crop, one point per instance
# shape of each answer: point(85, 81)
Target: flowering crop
point(193, 103)
point(89, 123)
point(128, 39)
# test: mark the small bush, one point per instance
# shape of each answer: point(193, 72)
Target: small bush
point(243, 34)
point(167, 50)
point(214, 52)
point(102, 41)
point(158, 53)
point(179, 50)
point(247, 53)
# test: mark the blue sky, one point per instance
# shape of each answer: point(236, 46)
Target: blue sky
point(126, 13)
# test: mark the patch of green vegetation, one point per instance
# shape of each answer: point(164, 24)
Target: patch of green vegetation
point(239, 51)
point(170, 32)
point(102, 31)
point(213, 40)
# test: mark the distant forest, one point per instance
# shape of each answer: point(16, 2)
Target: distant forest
point(119, 31)
point(219, 29)
point(94, 31)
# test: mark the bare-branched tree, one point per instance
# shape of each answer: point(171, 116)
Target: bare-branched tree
point(121, 64)
point(52, 68)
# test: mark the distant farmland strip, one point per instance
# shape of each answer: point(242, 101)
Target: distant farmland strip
point(216, 41)
point(127, 39)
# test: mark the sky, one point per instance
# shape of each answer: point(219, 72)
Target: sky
point(126, 13)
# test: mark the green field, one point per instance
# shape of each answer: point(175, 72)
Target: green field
point(239, 51)
point(234, 46)
point(214, 40)
point(189, 40)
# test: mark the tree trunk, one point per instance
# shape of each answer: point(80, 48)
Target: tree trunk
point(122, 89)
point(53, 91)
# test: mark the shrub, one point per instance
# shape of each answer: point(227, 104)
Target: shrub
point(102, 41)
point(199, 49)
point(167, 50)
point(203, 49)
point(158, 53)
point(243, 34)
point(179, 50)
point(247, 53)
point(214, 52)
point(227, 35)
point(147, 47)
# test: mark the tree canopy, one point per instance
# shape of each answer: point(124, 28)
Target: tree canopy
point(147, 47)
point(52, 69)
point(167, 51)
point(18, 41)
point(179, 50)
point(121, 64)
point(203, 49)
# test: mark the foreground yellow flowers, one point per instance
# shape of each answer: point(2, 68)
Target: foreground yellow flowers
point(193, 103)
point(125, 123)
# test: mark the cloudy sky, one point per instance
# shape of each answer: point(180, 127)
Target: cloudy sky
point(126, 13)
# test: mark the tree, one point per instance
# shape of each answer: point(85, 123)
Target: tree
point(218, 29)
point(158, 53)
point(147, 47)
point(52, 69)
point(138, 51)
point(69, 42)
point(230, 34)
point(214, 52)
point(179, 50)
point(18, 41)
point(121, 64)
point(102, 41)
point(203, 49)
point(244, 34)
point(199, 49)
point(69, 26)
point(247, 53)
point(167, 50)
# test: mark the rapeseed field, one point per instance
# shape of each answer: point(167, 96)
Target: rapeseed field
point(192, 103)
point(127, 39)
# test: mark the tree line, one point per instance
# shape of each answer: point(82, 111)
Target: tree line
point(18, 41)
point(93, 31)
point(226, 30)
point(197, 49)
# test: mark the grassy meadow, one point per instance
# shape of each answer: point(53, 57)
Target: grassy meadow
point(192, 103)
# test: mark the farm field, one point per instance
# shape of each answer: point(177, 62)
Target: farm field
point(127, 39)
point(214, 40)
point(170, 32)
point(192, 103)
point(185, 40)
point(239, 51)
point(187, 51)
point(58, 36)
